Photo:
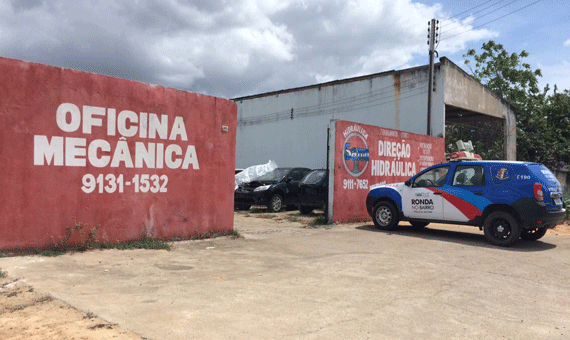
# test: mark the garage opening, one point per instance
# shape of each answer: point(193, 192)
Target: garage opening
point(486, 132)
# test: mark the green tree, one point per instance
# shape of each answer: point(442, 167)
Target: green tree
point(542, 120)
point(556, 113)
point(505, 74)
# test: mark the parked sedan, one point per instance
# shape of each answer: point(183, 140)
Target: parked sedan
point(313, 191)
point(275, 189)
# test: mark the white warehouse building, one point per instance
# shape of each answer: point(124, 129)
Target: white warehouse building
point(290, 126)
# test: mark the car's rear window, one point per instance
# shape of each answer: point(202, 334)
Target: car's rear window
point(543, 173)
point(314, 177)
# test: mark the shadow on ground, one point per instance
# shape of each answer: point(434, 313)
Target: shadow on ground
point(460, 237)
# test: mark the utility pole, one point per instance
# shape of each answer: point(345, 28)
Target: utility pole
point(432, 36)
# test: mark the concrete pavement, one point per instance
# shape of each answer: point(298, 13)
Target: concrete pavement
point(288, 281)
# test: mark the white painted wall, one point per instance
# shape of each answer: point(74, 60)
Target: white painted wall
point(266, 131)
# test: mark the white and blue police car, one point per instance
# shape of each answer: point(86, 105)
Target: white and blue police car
point(506, 199)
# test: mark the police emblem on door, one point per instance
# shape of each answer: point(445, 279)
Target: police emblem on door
point(503, 173)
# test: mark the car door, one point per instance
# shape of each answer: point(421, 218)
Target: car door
point(292, 187)
point(312, 188)
point(423, 198)
point(465, 199)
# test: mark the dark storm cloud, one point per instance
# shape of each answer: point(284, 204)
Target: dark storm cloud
point(22, 5)
point(220, 47)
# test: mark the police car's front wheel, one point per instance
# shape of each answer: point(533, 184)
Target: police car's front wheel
point(385, 216)
point(501, 228)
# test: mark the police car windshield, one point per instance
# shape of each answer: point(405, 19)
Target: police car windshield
point(432, 178)
point(275, 175)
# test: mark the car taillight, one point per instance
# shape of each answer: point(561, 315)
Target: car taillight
point(538, 194)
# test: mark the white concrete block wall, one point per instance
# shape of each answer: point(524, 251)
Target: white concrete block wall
point(302, 141)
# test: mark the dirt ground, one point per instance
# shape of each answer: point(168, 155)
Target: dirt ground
point(27, 314)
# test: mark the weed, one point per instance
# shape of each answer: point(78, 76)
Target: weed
point(293, 218)
point(319, 220)
point(79, 237)
point(269, 216)
point(103, 325)
point(257, 210)
point(87, 240)
point(235, 234)
point(146, 243)
point(3, 275)
point(52, 252)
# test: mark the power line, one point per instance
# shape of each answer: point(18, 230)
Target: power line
point(488, 22)
point(484, 15)
point(470, 9)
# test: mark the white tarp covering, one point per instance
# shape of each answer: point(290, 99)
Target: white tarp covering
point(252, 172)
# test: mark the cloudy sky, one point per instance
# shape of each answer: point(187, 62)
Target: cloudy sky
point(232, 48)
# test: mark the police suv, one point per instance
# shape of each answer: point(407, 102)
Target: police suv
point(506, 199)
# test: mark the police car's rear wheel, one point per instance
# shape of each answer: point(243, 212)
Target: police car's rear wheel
point(501, 228)
point(385, 216)
point(534, 234)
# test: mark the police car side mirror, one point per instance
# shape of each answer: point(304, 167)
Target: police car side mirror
point(408, 183)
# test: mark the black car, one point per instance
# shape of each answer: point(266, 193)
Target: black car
point(275, 189)
point(313, 191)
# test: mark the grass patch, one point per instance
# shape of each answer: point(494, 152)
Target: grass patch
point(77, 238)
point(257, 210)
point(268, 216)
point(3, 275)
point(319, 220)
point(235, 234)
point(146, 243)
point(80, 237)
point(294, 218)
point(52, 252)
point(213, 234)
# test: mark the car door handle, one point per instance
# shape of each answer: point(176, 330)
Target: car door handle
point(478, 193)
point(437, 193)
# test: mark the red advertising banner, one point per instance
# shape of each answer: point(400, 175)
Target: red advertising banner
point(133, 159)
point(365, 155)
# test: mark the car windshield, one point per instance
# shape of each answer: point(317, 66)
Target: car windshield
point(275, 175)
point(314, 177)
